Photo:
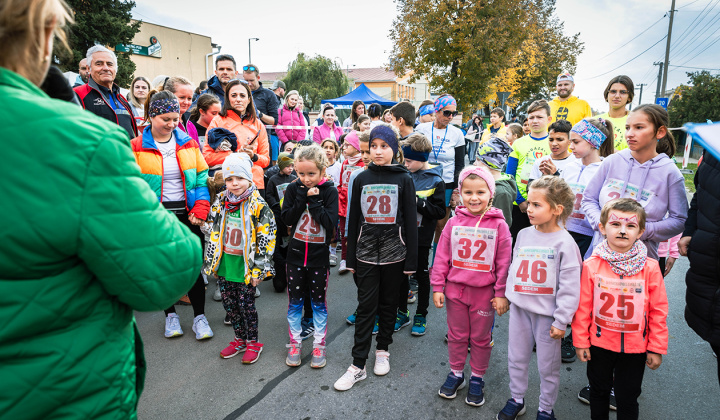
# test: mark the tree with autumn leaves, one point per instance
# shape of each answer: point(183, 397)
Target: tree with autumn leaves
point(473, 49)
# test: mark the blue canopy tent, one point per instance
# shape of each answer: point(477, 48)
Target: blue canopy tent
point(361, 93)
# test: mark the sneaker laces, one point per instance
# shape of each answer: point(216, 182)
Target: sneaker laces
point(294, 349)
point(318, 351)
point(202, 323)
point(476, 386)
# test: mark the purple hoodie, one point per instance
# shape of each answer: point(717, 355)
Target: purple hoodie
point(473, 263)
point(663, 193)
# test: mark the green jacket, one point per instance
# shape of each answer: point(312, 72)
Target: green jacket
point(84, 243)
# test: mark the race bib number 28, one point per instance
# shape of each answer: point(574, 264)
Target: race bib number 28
point(535, 273)
point(379, 203)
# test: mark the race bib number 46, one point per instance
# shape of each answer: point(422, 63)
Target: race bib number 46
point(379, 203)
point(536, 272)
point(619, 304)
point(308, 230)
point(473, 249)
point(233, 236)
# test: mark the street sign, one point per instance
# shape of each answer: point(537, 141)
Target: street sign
point(663, 102)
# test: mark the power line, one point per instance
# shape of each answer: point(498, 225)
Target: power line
point(630, 60)
point(691, 27)
point(696, 68)
point(699, 35)
point(634, 38)
point(705, 49)
point(682, 7)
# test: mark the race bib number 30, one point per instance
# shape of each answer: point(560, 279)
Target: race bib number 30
point(536, 272)
point(379, 203)
point(308, 230)
point(618, 304)
point(347, 172)
point(473, 249)
point(233, 236)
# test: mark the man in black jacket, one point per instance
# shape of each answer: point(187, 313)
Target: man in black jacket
point(266, 104)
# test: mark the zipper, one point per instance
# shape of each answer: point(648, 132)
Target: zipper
point(622, 334)
point(307, 246)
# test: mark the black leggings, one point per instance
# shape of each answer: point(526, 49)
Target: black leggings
point(520, 221)
point(197, 292)
point(628, 368)
point(423, 278)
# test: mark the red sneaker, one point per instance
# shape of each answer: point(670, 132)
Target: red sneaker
point(236, 346)
point(253, 352)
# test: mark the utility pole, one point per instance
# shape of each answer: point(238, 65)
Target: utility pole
point(660, 73)
point(641, 91)
point(249, 50)
point(667, 48)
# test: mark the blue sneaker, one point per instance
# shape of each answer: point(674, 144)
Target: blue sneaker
point(475, 395)
point(541, 415)
point(402, 320)
point(419, 325)
point(452, 384)
point(308, 328)
point(351, 319)
point(511, 410)
point(376, 328)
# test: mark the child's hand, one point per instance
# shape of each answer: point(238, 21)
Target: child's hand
point(654, 360)
point(439, 299)
point(582, 354)
point(313, 191)
point(255, 281)
point(556, 333)
point(669, 263)
point(500, 304)
point(195, 220)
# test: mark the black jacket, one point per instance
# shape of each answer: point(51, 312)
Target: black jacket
point(323, 211)
point(430, 192)
point(93, 100)
point(702, 310)
point(272, 196)
point(377, 243)
point(266, 101)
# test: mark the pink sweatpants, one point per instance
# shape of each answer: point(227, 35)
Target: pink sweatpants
point(470, 319)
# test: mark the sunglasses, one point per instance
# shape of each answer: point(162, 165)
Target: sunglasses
point(449, 114)
point(249, 68)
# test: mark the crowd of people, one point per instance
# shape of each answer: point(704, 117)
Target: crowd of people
point(568, 222)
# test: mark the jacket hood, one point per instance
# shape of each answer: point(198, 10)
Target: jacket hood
point(395, 167)
point(466, 218)
point(215, 84)
point(148, 142)
point(658, 161)
point(326, 184)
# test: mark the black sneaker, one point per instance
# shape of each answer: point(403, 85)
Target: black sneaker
point(613, 403)
point(475, 395)
point(452, 384)
point(584, 396)
point(227, 320)
point(567, 350)
point(308, 328)
point(511, 410)
point(541, 415)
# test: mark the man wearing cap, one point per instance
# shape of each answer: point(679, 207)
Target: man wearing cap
point(565, 106)
point(279, 89)
point(266, 104)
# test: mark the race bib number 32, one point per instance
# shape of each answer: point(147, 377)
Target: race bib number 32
point(379, 203)
point(535, 273)
point(619, 304)
point(473, 249)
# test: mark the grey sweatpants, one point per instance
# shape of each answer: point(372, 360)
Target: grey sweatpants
point(526, 329)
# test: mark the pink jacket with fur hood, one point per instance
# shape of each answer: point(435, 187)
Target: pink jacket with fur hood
point(472, 253)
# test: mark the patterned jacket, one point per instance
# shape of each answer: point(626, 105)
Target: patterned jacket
point(258, 251)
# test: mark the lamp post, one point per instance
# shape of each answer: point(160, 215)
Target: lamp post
point(249, 50)
point(347, 76)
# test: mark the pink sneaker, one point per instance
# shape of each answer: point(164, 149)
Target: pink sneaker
point(253, 352)
point(236, 346)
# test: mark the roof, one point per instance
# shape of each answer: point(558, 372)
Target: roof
point(373, 74)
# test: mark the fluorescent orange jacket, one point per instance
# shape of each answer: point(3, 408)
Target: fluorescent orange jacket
point(653, 334)
point(246, 131)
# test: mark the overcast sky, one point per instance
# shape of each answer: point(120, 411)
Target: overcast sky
point(356, 33)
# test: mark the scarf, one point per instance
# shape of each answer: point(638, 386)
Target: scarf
point(232, 201)
point(355, 159)
point(627, 264)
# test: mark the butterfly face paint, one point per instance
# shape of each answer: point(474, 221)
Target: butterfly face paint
point(621, 230)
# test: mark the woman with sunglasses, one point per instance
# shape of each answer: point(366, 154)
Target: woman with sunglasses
point(448, 142)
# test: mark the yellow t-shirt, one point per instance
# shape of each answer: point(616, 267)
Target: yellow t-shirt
point(619, 128)
point(573, 109)
point(526, 150)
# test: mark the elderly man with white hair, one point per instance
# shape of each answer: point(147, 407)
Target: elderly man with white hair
point(101, 96)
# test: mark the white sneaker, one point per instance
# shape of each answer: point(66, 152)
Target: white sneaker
point(342, 269)
point(350, 377)
point(201, 328)
point(217, 296)
point(172, 326)
point(257, 292)
point(333, 260)
point(382, 363)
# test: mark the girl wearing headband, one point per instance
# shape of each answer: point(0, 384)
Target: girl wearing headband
point(171, 163)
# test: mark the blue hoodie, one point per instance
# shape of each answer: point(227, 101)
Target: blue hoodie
point(430, 192)
point(663, 193)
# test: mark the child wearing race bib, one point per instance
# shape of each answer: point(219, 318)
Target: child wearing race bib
point(588, 144)
point(646, 173)
point(543, 287)
point(382, 221)
point(559, 157)
point(430, 207)
point(274, 194)
point(351, 150)
point(621, 323)
point(310, 210)
point(237, 214)
point(471, 266)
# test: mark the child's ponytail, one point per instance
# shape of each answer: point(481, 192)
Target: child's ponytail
point(659, 117)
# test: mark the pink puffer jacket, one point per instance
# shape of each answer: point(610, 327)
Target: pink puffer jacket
point(291, 117)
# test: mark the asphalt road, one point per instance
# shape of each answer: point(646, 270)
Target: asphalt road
point(188, 380)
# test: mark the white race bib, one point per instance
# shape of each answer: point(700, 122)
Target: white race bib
point(619, 304)
point(347, 172)
point(308, 230)
point(233, 235)
point(577, 212)
point(613, 189)
point(535, 271)
point(379, 203)
point(281, 190)
point(473, 249)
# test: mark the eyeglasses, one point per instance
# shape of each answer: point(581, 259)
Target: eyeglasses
point(449, 114)
point(615, 92)
point(249, 68)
